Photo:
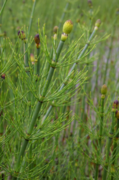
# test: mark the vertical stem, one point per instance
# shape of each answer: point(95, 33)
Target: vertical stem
point(38, 62)
point(110, 50)
point(108, 146)
point(115, 150)
point(21, 155)
point(83, 105)
point(85, 86)
point(51, 71)
point(31, 18)
point(2, 119)
point(101, 121)
point(100, 132)
point(26, 55)
point(63, 15)
point(1, 11)
point(30, 157)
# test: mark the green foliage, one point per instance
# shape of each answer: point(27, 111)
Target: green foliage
point(55, 120)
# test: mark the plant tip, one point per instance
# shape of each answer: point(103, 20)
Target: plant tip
point(33, 60)
point(67, 27)
point(32, 57)
point(37, 40)
point(64, 37)
point(97, 24)
point(90, 3)
point(21, 35)
point(104, 89)
point(115, 104)
point(55, 29)
point(55, 36)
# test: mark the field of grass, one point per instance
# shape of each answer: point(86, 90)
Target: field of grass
point(59, 103)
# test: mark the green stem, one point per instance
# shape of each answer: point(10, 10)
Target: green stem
point(1, 110)
point(3, 7)
point(31, 18)
point(21, 155)
point(38, 62)
point(1, 122)
point(30, 158)
point(51, 71)
point(63, 15)
point(110, 50)
point(83, 105)
point(26, 55)
point(101, 122)
point(37, 109)
point(100, 133)
point(71, 70)
point(114, 152)
point(35, 115)
point(85, 86)
point(108, 146)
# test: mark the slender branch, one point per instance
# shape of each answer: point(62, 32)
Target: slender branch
point(31, 18)
point(3, 7)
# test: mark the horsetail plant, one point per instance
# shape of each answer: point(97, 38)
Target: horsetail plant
point(111, 136)
point(2, 9)
point(67, 28)
point(111, 46)
point(63, 14)
point(22, 36)
point(97, 24)
point(87, 65)
point(38, 103)
point(55, 31)
point(103, 93)
point(1, 116)
point(31, 18)
point(114, 153)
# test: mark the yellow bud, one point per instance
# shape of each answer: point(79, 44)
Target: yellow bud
point(67, 27)
point(64, 37)
point(104, 89)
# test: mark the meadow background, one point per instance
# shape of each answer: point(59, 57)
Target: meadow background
point(59, 117)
